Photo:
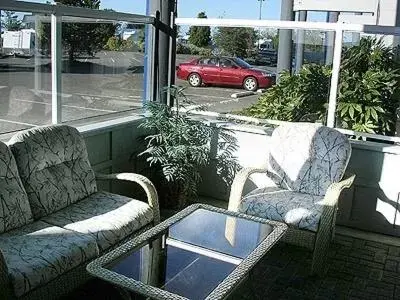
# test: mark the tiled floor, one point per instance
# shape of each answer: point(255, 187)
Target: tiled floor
point(357, 269)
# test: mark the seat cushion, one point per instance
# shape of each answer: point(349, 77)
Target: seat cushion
point(39, 252)
point(108, 217)
point(14, 205)
point(299, 210)
point(307, 158)
point(54, 167)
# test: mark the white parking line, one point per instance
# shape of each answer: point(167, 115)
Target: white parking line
point(138, 60)
point(207, 96)
point(123, 53)
point(105, 53)
point(112, 59)
point(67, 105)
point(90, 108)
point(16, 122)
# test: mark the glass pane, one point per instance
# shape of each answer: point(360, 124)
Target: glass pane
point(25, 72)
point(102, 69)
point(220, 232)
point(368, 92)
point(194, 255)
point(248, 86)
point(178, 271)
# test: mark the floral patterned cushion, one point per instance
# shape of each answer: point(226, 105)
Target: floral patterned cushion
point(39, 252)
point(109, 218)
point(54, 167)
point(299, 210)
point(14, 205)
point(307, 157)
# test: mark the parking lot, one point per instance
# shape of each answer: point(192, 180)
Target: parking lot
point(111, 82)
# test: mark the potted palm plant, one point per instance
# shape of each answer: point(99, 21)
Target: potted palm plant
point(178, 147)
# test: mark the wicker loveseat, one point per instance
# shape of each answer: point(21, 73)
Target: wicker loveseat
point(53, 220)
point(303, 182)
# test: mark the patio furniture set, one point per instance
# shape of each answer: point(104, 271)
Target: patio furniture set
point(57, 230)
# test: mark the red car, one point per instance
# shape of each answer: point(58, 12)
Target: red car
point(231, 71)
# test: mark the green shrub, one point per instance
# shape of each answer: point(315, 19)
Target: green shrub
point(192, 49)
point(296, 98)
point(113, 44)
point(367, 92)
point(367, 100)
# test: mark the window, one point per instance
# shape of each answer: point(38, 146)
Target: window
point(96, 74)
point(226, 63)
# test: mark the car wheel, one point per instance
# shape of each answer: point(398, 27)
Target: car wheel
point(250, 84)
point(194, 79)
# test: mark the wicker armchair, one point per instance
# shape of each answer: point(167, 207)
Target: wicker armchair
point(305, 165)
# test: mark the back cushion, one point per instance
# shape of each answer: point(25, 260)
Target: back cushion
point(54, 167)
point(14, 205)
point(307, 158)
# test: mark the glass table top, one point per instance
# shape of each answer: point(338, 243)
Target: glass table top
point(194, 255)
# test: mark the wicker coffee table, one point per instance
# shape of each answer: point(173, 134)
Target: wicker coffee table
point(202, 252)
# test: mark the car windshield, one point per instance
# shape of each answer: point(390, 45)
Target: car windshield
point(241, 63)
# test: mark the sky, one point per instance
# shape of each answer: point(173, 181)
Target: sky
point(244, 9)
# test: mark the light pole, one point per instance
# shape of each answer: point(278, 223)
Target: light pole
point(259, 29)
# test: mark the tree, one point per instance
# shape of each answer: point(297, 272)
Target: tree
point(235, 40)
point(81, 37)
point(10, 21)
point(200, 36)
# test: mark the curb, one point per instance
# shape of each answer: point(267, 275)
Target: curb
point(242, 94)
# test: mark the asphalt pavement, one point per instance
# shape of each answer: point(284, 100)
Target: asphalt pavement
point(110, 82)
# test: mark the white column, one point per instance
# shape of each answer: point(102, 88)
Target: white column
point(56, 59)
point(337, 57)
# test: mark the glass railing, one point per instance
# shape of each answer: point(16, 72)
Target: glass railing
point(62, 64)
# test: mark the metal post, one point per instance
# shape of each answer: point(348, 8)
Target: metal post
point(148, 74)
point(165, 7)
point(156, 58)
point(330, 38)
point(172, 57)
point(300, 42)
point(259, 29)
point(285, 38)
point(56, 58)
point(337, 56)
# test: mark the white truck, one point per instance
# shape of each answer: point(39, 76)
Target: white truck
point(20, 42)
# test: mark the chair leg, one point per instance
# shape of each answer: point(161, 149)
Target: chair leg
point(321, 248)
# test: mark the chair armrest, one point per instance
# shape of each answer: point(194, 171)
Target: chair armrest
point(238, 184)
point(144, 182)
point(5, 283)
point(334, 190)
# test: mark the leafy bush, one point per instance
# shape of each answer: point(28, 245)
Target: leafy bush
point(178, 146)
point(367, 91)
point(192, 49)
point(296, 98)
point(368, 82)
point(113, 44)
point(118, 44)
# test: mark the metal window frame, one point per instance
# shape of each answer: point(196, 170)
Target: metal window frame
point(72, 11)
